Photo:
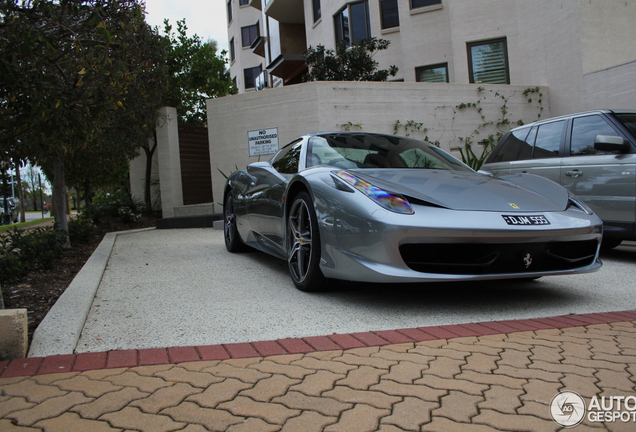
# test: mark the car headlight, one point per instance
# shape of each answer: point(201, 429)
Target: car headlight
point(574, 201)
point(388, 200)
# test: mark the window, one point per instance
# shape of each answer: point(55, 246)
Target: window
point(488, 62)
point(423, 3)
point(317, 11)
point(352, 23)
point(244, 2)
point(584, 131)
point(229, 11)
point(232, 50)
point(548, 140)
point(286, 161)
point(434, 73)
point(512, 147)
point(249, 34)
point(389, 14)
point(251, 74)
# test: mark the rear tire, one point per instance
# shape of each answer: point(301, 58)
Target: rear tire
point(233, 241)
point(303, 245)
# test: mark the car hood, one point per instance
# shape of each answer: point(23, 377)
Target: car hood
point(459, 190)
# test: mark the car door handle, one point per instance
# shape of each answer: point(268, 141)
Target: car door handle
point(575, 173)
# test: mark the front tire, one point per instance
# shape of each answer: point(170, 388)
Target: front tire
point(303, 245)
point(233, 241)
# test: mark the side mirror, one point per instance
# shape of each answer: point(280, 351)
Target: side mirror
point(611, 143)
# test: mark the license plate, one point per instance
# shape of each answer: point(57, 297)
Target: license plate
point(526, 220)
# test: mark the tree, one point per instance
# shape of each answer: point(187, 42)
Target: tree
point(196, 73)
point(348, 64)
point(66, 72)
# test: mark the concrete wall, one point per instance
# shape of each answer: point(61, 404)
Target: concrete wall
point(138, 176)
point(374, 107)
point(13, 334)
point(612, 87)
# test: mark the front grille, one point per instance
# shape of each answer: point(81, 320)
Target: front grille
point(498, 258)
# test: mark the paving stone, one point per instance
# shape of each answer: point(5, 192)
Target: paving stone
point(458, 406)
point(243, 374)
point(541, 391)
point(626, 341)
point(424, 350)
point(360, 418)
point(451, 384)
point(605, 346)
point(153, 356)
point(585, 386)
point(614, 380)
point(321, 343)
point(545, 354)
point(219, 392)
point(100, 374)
point(410, 414)
point(473, 348)
point(562, 368)
point(31, 390)
point(308, 421)
point(108, 403)
point(89, 387)
point(268, 348)
point(620, 359)
point(576, 350)
point(290, 371)
point(194, 428)
point(481, 363)
point(12, 404)
point(133, 418)
point(502, 399)
point(253, 425)
point(195, 379)
point(325, 405)
point(212, 352)
point(370, 397)
point(491, 379)
point(515, 422)
point(443, 424)
point(198, 366)
point(445, 367)
point(363, 377)
point(268, 388)
point(165, 397)
point(49, 408)
point(364, 351)
point(322, 355)
point(182, 354)
point(90, 361)
point(318, 382)
point(7, 425)
point(71, 422)
point(389, 354)
point(309, 362)
point(536, 409)
point(528, 373)
point(242, 363)
point(211, 419)
point(151, 370)
point(415, 390)
point(143, 383)
point(50, 379)
point(594, 364)
point(270, 412)
point(122, 358)
point(57, 364)
point(290, 358)
point(346, 341)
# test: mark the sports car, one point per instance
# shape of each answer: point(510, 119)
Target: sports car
point(382, 208)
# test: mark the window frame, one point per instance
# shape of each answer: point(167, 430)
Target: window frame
point(471, 45)
point(429, 4)
point(254, 76)
point(349, 30)
point(230, 17)
point(232, 51)
point(431, 67)
point(317, 10)
point(383, 25)
point(249, 29)
point(244, 2)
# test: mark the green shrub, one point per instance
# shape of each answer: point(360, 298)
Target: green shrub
point(81, 229)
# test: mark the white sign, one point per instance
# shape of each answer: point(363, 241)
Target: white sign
point(263, 141)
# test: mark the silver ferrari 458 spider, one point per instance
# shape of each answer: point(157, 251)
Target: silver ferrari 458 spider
point(383, 208)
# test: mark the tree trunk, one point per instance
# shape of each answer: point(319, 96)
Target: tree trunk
point(20, 193)
point(59, 198)
point(147, 181)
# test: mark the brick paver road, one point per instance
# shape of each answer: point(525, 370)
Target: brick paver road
point(502, 382)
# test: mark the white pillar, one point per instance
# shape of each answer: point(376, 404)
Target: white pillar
point(169, 161)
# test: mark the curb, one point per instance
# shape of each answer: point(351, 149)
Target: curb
point(60, 330)
point(156, 356)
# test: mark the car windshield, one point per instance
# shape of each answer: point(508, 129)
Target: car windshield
point(378, 151)
point(629, 120)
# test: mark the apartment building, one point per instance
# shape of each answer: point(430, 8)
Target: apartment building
point(581, 49)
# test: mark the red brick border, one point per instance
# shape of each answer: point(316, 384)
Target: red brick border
point(144, 357)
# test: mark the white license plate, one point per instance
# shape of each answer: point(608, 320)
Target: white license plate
point(526, 220)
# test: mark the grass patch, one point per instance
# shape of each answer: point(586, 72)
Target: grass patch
point(23, 224)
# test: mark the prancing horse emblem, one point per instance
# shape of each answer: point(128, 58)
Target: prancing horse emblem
point(527, 260)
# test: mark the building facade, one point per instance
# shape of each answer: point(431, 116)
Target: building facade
point(553, 43)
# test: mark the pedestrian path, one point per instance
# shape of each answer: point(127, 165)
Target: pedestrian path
point(471, 377)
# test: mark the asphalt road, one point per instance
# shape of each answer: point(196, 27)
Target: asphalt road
point(166, 288)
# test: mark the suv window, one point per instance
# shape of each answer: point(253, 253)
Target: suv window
point(584, 132)
point(513, 145)
point(548, 140)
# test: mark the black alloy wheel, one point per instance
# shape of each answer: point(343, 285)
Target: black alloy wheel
point(233, 241)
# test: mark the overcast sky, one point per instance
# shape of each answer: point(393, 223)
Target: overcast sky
point(205, 18)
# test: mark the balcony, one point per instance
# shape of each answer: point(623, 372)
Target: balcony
point(285, 11)
point(258, 46)
point(289, 67)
